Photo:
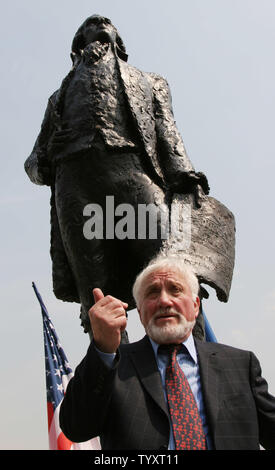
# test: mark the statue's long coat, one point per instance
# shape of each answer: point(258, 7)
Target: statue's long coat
point(147, 97)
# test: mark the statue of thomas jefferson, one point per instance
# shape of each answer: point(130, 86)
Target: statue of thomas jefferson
point(108, 131)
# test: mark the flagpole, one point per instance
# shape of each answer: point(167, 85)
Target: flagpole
point(58, 374)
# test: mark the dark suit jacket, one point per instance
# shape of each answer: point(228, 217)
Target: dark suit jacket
point(125, 406)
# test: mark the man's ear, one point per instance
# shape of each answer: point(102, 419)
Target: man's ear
point(197, 306)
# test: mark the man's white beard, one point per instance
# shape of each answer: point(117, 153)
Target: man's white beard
point(169, 333)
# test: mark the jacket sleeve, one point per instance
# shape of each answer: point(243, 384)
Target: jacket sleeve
point(265, 404)
point(84, 408)
point(173, 159)
point(38, 165)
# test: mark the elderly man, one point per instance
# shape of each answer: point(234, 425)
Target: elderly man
point(168, 390)
point(108, 132)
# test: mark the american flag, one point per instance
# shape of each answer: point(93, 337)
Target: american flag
point(58, 375)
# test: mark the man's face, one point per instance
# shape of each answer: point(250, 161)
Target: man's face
point(98, 28)
point(167, 309)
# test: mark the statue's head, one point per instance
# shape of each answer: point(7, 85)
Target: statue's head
point(97, 28)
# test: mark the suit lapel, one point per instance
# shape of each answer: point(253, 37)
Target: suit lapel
point(145, 364)
point(210, 372)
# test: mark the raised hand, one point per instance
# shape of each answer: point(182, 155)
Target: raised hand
point(108, 320)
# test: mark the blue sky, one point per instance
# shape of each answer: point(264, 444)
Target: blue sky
point(218, 57)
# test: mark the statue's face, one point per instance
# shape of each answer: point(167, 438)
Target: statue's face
point(98, 28)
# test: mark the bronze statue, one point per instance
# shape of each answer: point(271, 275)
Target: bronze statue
point(109, 132)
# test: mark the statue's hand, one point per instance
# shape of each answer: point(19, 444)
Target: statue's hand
point(108, 319)
point(191, 182)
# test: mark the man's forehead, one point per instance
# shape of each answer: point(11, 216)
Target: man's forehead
point(168, 274)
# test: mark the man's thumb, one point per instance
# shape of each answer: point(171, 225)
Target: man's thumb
point(98, 294)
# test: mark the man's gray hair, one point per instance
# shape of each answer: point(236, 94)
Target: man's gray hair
point(173, 262)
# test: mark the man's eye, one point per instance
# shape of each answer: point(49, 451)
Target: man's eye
point(176, 289)
point(153, 290)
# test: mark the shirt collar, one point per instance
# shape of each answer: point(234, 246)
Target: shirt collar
point(188, 343)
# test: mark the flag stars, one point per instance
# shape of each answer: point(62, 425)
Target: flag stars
point(60, 388)
point(57, 372)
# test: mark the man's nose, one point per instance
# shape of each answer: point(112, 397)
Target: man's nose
point(165, 299)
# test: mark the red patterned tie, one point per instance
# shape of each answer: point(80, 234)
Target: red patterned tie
point(186, 421)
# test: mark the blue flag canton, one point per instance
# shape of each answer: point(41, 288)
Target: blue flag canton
point(58, 370)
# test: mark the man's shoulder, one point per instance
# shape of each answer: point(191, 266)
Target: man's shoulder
point(220, 348)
